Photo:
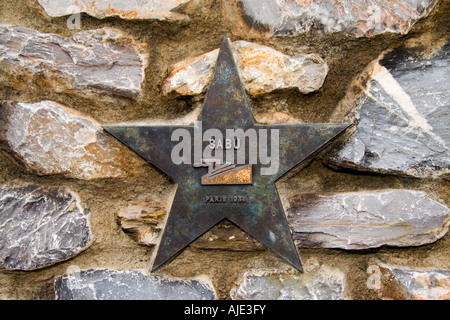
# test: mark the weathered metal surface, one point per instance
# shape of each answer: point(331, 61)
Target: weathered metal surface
point(254, 207)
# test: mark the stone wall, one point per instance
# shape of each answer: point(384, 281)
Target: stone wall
point(81, 214)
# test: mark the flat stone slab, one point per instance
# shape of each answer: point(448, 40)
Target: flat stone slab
point(105, 284)
point(402, 118)
point(41, 226)
point(404, 283)
point(266, 18)
point(48, 138)
point(353, 220)
point(125, 9)
point(262, 69)
point(102, 61)
point(325, 284)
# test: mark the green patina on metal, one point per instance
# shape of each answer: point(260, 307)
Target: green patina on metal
point(254, 207)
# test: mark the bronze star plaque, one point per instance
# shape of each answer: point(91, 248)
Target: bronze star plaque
point(226, 166)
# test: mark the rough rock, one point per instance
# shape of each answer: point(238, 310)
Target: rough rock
point(400, 283)
point(101, 61)
point(367, 220)
point(143, 220)
point(48, 138)
point(262, 70)
point(142, 9)
point(105, 284)
point(40, 226)
point(402, 118)
point(322, 284)
point(265, 18)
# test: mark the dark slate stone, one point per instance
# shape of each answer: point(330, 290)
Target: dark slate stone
point(403, 117)
point(364, 220)
point(105, 284)
point(40, 226)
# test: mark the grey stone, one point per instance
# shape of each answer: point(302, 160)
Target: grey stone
point(324, 284)
point(367, 220)
point(103, 61)
point(262, 69)
point(40, 226)
point(354, 18)
point(405, 283)
point(125, 9)
point(402, 119)
point(49, 138)
point(105, 284)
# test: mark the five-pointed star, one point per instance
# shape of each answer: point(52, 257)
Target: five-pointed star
point(262, 215)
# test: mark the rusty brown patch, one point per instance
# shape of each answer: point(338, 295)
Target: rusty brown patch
point(239, 175)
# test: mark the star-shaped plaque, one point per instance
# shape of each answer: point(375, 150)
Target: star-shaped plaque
point(226, 165)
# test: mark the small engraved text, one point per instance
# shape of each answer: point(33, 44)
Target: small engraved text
point(225, 199)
